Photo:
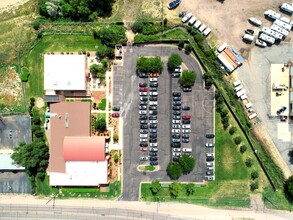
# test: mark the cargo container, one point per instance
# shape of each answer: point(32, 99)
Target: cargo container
point(280, 30)
point(229, 59)
point(272, 14)
point(283, 24)
point(272, 33)
point(226, 64)
point(232, 56)
point(186, 17)
point(267, 38)
point(248, 38)
point(197, 24)
point(241, 92)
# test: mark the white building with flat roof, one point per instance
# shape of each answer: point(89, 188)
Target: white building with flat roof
point(64, 72)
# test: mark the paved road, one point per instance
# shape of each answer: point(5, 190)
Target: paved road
point(27, 207)
point(126, 96)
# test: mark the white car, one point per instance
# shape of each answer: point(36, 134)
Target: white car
point(153, 93)
point(187, 150)
point(210, 164)
point(143, 158)
point(143, 140)
point(154, 79)
point(153, 103)
point(186, 126)
point(210, 154)
point(176, 149)
point(178, 69)
point(175, 126)
point(209, 145)
point(255, 21)
point(143, 135)
point(142, 112)
point(175, 154)
point(176, 121)
point(154, 121)
point(186, 17)
point(186, 131)
point(197, 24)
point(175, 130)
point(143, 93)
point(202, 27)
point(153, 144)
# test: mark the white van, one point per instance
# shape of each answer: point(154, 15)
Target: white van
point(207, 31)
point(186, 17)
point(192, 20)
point(153, 103)
point(238, 88)
point(272, 14)
point(143, 135)
point(248, 37)
point(197, 24)
point(187, 150)
point(186, 126)
point(202, 27)
point(222, 47)
point(287, 7)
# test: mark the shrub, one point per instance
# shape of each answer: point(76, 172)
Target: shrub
point(225, 119)
point(232, 130)
point(249, 162)
point(289, 186)
point(155, 187)
point(174, 61)
point(188, 78)
point(226, 125)
point(243, 148)
point(174, 170)
point(254, 174)
point(187, 163)
point(237, 140)
point(174, 189)
point(25, 74)
point(224, 112)
point(101, 124)
point(36, 25)
point(102, 104)
point(115, 137)
point(181, 43)
point(190, 189)
point(188, 48)
point(254, 186)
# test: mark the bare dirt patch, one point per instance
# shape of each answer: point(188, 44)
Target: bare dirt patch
point(8, 5)
point(40, 103)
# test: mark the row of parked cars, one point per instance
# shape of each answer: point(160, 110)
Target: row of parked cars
point(197, 24)
point(210, 157)
point(148, 103)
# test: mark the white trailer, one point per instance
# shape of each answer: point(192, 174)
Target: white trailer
point(248, 37)
point(285, 19)
point(238, 88)
point(287, 7)
point(248, 105)
point(272, 33)
point(186, 17)
point(202, 27)
point(197, 24)
point(267, 38)
point(253, 115)
point(227, 65)
point(272, 14)
point(207, 31)
point(192, 20)
point(243, 97)
point(283, 24)
point(237, 82)
point(280, 30)
point(241, 92)
point(222, 47)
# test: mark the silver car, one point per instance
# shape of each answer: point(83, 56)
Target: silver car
point(142, 112)
point(154, 121)
point(186, 130)
point(143, 158)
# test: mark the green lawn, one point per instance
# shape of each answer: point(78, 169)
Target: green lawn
point(43, 187)
point(53, 43)
point(276, 200)
point(101, 115)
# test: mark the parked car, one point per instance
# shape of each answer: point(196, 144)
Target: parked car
point(185, 108)
point(153, 140)
point(143, 84)
point(115, 115)
point(176, 112)
point(143, 117)
point(153, 154)
point(210, 154)
point(186, 126)
point(153, 149)
point(143, 75)
point(210, 164)
point(153, 107)
point(116, 108)
point(153, 93)
point(175, 135)
point(187, 89)
point(143, 126)
point(154, 121)
point(178, 69)
point(153, 112)
point(175, 75)
point(143, 135)
point(185, 136)
point(176, 121)
point(153, 117)
point(143, 122)
point(176, 159)
point(153, 158)
point(175, 130)
point(153, 131)
point(176, 107)
point(176, 150)
point(154, 84)
point(153, 144)
point(173, 4)
point(154, 75)
point(174, 140)
point(153, 126)
point(186, 130)
point(143, 158)
point(153, 103)
point(153, 79)
point(144, 144)
point(176, 117)
point(185, 140)
point(142, 107)
point(143, 98)
point(176, 126)
point(155, 89)
point(143, 140)
point(210, 159)
point(210, 135)
point(142, 112)
point(143, 89)
point(178, 94)
point(255, 21)
point(153, 98)
point(154, 163)
point(143, 103)
point(249, 31)
point(210, 173)
point(143, 93)
point(143, 148)
point(177, 103)
point(175, 145)
point(176, 154)
point(153, 135)
point(209, 145)
point(143, 131)
point(176, 98)
point(185, 121)
point(185, 116)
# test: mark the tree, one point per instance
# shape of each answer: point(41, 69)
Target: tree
point(174, 170)
point(36, 25)
point(187, 162)
point(181, 43)
point(101, 124)
point(249, 162)
point(254, 186)
point(96, 69)
point(188, 78)
point(112, 35)
point(243, 148)
point(155, 187)
point(190, 189)
point(137, 27)
point(254, 174)
point(224, 113)
point(174, 61)
point(149, 64)
point(237, 140)
point(225, 119)
point(289, 186)
point(226, 125)
point(175, 189)
point(188, 48)
point(232, 130)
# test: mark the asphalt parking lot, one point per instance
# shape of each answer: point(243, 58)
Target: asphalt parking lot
point(126, 95)
point(255, 76)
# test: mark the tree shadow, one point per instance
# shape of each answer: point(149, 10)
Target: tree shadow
point(290, 154)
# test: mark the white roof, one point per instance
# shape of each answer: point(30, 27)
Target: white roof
point(81, 173)
point(64, 72)
point(7, 163)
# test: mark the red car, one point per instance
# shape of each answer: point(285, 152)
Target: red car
point(185, 116)
point(115, 115)
point(143, 148)
point(143, 89)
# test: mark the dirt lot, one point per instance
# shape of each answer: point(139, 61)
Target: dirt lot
point(227, 20)
point(10, 4)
